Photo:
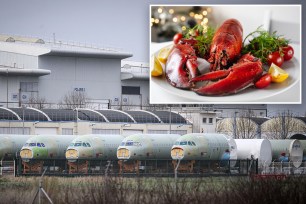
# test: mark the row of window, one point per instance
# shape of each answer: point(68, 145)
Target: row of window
point(33, 144)
point(131, 143)
point(79, 144)
point(33, 87)
point(190, 143)
point(210, 120)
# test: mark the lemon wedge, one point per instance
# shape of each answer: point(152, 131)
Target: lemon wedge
point(278, 75)
point(163, 54)
point(157, 68)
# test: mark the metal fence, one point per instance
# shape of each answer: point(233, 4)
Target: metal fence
point(286, 168)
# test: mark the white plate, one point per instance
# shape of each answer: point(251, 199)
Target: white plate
point(251, 94)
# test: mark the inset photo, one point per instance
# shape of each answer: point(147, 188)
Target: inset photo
point(225, 54)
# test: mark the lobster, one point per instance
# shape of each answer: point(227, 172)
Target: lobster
point(226, 45)
point(181, 66)
point(239, 76)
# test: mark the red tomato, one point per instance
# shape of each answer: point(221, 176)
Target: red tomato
point(275, 58)
point(288, 52)
point(177, 37)
point(264, 81)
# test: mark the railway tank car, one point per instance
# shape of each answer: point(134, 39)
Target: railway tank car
point(255, 149)
point(45, 147)
point(303, 143)
point(84, 149)
point(10, 145)
point(144, 147)
point(203, 146)
point(94, 147)
point(287, 151)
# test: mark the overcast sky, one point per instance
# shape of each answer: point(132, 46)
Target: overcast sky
point(119, 23)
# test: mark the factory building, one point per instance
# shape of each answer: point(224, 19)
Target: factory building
point(31, 121)
point(33, 70)
point(40, 74)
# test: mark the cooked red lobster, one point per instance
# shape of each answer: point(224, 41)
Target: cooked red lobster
point(226, 45)
point(182, 68)
point(239, 76)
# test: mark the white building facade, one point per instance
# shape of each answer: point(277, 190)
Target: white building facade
point(39, 71)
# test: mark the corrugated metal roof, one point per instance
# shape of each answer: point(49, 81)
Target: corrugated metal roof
point(7, 114)
point(165, 117)
point(116, 116)
point(144, 116)
point(29, 114)
point(108, 115)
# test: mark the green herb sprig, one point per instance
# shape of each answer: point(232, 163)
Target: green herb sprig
point(203, 38)
point(264, 43)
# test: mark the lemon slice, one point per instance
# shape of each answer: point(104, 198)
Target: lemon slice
point(157, 68)
point(278, 75)
point(163, 54)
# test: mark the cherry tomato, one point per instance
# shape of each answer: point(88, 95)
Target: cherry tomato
point(288, 52)
point(264, 81)
point(275, 58)
point(177, 37)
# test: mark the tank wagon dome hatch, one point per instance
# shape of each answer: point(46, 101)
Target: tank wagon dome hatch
point(211, 146)
point(255, 149)
point(290, 150)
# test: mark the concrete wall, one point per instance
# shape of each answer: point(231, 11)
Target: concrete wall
point(137, 99)
point(99, 78)
point(85, 127)
point(12, 85)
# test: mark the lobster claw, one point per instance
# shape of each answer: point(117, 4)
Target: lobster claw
point(182, 66)
point(239, 76)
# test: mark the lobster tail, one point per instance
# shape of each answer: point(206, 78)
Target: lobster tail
point(226, 45)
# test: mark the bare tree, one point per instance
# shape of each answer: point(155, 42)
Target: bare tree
point(74, 99)
point(37, 102)
point(247, 128)
point(282, 126)
point(244, 126)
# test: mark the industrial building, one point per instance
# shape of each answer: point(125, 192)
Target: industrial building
point(34, 70)
point(39, 74)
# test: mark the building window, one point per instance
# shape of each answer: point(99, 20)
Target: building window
point(204, 120)
point(106, 131)
point(67, 131)
point(180, 132)
point(29, 86)
point(210, 120)
point(15, 130)
point(130, 90)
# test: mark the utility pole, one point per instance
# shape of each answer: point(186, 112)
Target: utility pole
point(283, 126)
point(7, 91)
point(235, 126)
point(170, 120)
